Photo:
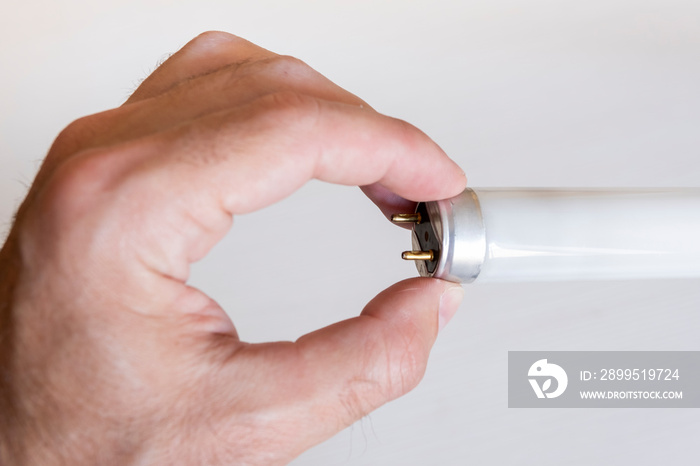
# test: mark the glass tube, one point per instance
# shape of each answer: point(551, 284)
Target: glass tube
point(579, 234)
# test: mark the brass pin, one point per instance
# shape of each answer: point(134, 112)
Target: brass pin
point(418, 255)
point(406, 218)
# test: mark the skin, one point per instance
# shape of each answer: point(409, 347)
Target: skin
point(107, 356)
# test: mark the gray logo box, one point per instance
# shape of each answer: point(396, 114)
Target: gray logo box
point(604, 379)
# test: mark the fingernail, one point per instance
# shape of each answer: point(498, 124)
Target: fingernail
point(449, 303)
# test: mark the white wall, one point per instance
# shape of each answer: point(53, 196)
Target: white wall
point(519, 92)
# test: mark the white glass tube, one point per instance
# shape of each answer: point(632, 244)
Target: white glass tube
point(579, 234)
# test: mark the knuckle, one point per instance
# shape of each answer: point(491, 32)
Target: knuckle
point(209, 39)
point(68, 206)
point(406, 361)
point(410, 371)
point(74, 136)
point(395, 364)
point(411, 137)
point(79, 180)
point(290, 108)
point(286, 65)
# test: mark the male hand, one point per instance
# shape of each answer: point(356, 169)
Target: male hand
point(107, 356)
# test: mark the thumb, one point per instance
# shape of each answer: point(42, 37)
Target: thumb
point(355, 366)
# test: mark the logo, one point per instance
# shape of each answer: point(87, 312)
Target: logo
point(544, 371)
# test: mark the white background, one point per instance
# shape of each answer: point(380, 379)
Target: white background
point(519, 93)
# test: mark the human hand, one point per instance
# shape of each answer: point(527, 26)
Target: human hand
point(107, 356)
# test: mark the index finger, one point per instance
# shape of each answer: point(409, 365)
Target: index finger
point(205, 53)
point(192, 179)
point(270, 148)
